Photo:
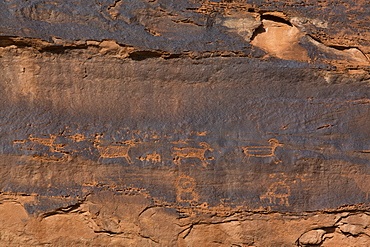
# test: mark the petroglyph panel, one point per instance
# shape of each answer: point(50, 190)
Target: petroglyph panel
point(227, 123)
point(184, 123)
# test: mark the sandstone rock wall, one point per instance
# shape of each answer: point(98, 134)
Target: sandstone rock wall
point(184, 123)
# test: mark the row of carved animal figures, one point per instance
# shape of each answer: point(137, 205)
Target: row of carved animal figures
point(179, 153)
point(122, 149)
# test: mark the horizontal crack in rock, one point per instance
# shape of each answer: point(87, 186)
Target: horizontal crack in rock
point(63, 210)
point(110, 48)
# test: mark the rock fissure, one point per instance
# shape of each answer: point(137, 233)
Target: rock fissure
point(276, 19)
point(63, 210)
point(344, 225)
point(108, 232)
point(116, 2)
point(338, 47)
point(187, 231)
point(151, 239)
point(149, 207)
point(110, 48)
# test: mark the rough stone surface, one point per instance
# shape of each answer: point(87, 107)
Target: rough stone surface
point(313, 237)
point(184, 123)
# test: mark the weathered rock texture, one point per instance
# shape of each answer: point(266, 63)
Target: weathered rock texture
point(184, 123)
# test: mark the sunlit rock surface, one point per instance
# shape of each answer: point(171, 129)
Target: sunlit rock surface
point(184, 123)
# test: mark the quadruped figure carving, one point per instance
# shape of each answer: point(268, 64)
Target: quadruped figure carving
point(191, 152)
point(263, 151)
point(117, 151)
point(153, 157)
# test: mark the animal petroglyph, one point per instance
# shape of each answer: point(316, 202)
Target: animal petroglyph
point(50, 142)
point(277, 194)
point(191, 152)
point(118, 150)
point(43, 140)
point(263, 151)
point(154, 157)
point(185, 187)
point(46, 148)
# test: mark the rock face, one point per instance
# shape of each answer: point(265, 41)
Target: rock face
point(184, 123)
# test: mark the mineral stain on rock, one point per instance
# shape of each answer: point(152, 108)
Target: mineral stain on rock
point(184, 123)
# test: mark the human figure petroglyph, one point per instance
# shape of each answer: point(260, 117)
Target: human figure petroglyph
point(277, 194)
point(185, 187)
point(117, 150)
point(191, 152)
point(263, 151)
